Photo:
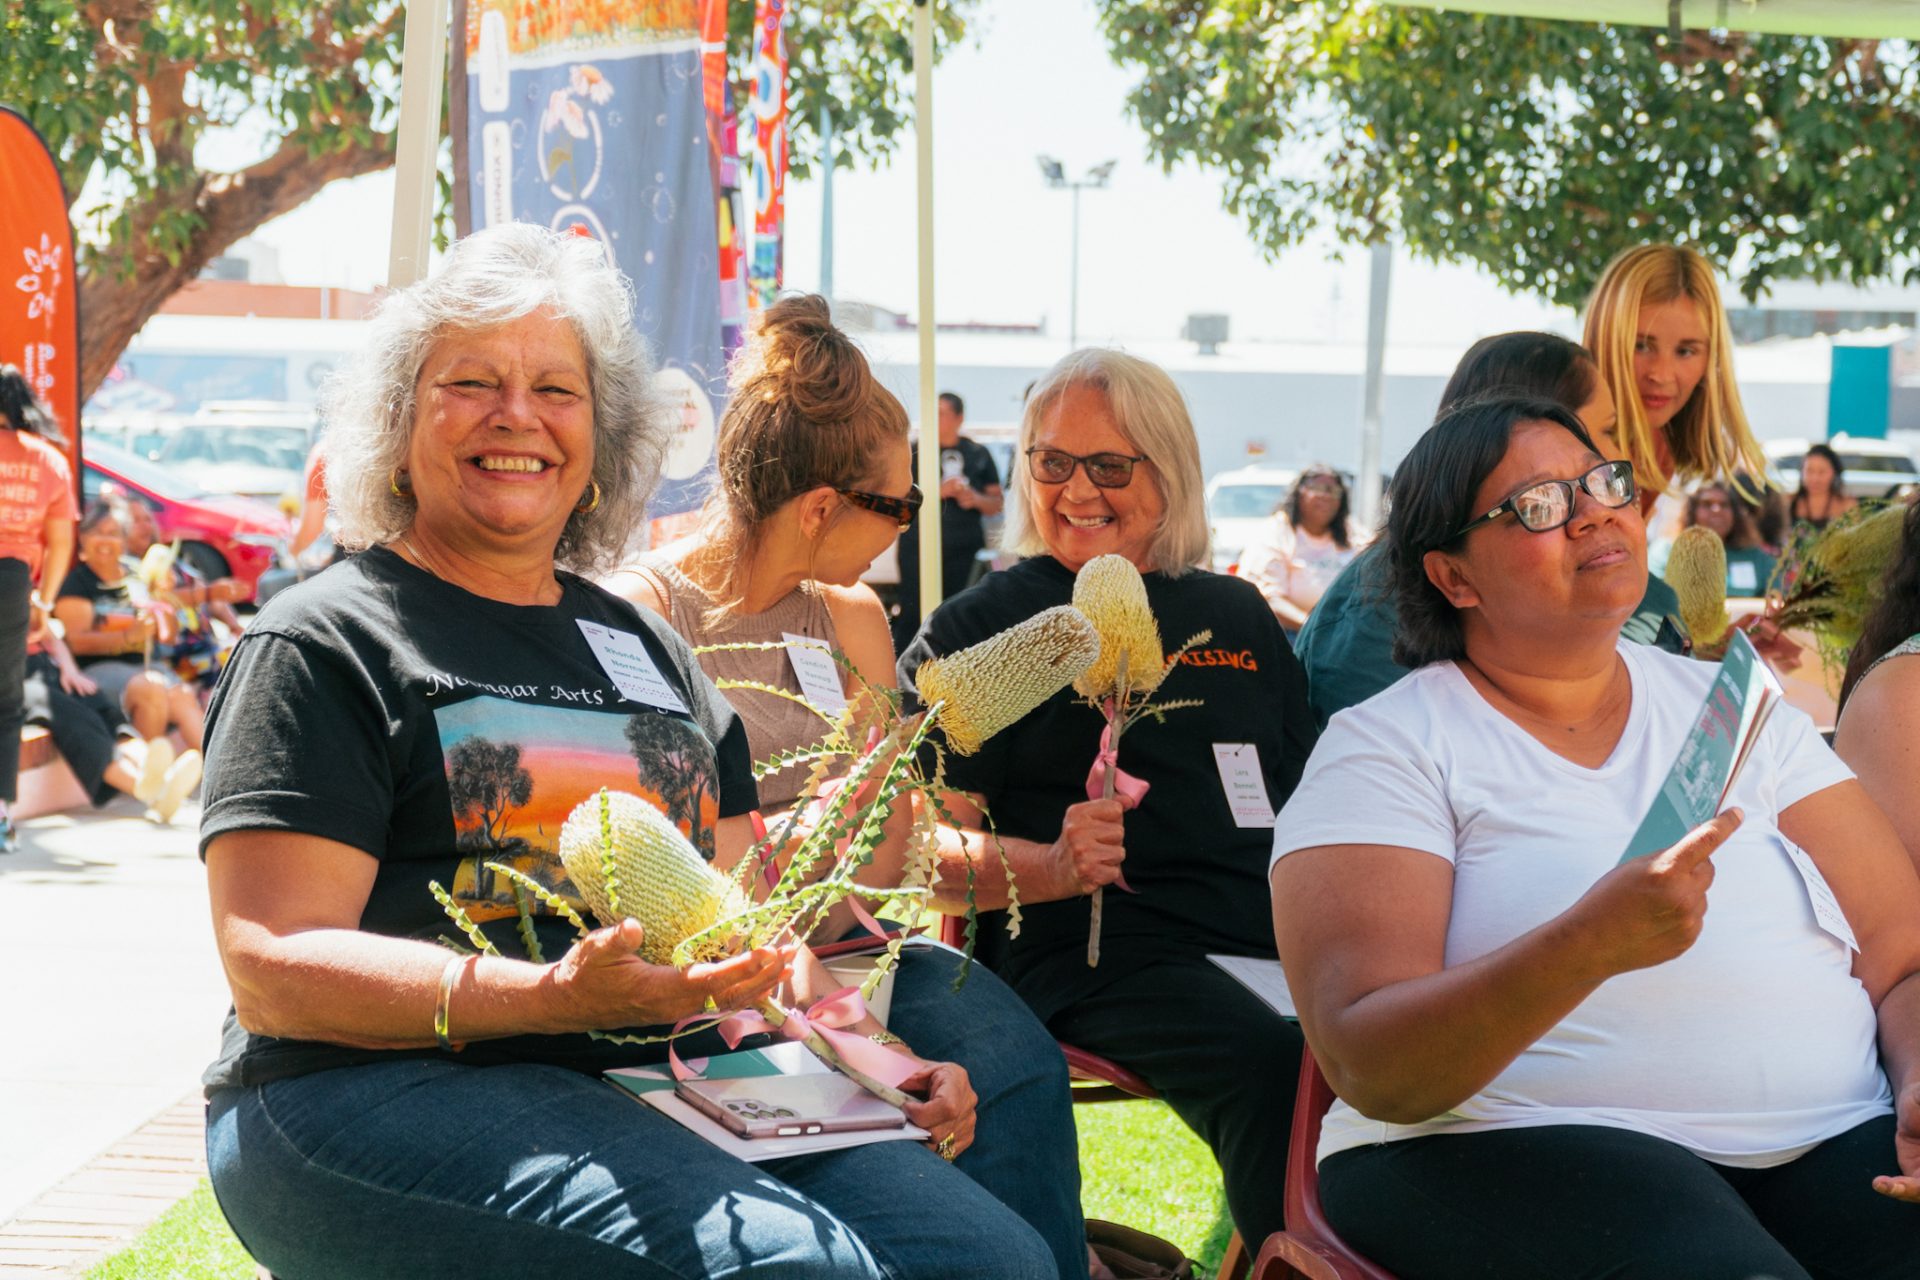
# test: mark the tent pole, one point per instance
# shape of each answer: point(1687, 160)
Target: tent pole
point(1367, 482)
point(929, 438)
point(417, 142)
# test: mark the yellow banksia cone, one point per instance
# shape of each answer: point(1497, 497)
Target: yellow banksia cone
point(654, 874)
point(988, 686)
point(1109, 590)
point(1697, 572)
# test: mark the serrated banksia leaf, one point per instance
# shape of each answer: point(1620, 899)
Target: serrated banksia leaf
point(662, 881)
point(986, 687)
point(1109, 591)
point(1697, 572)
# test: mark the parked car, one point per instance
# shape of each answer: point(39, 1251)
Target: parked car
point(220, 535)
point(1239, 503)
point(1869, 467)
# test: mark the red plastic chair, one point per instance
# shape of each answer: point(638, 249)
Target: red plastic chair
point(1309, 1247)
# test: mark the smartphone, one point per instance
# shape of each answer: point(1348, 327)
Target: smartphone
point(790, 1106)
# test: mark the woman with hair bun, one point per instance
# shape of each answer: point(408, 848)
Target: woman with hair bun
point(814, 482)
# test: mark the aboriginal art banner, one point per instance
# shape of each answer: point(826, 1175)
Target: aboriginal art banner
point(590, 116)
point(39, 298)
point(769, 111)
point(723, 133)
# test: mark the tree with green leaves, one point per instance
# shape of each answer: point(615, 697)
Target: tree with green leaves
point(1535, 148)
point(126, 92)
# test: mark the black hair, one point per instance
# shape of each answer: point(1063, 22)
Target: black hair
point(21, 410)
point(954, 403)
point(1524, 363)
point(1433, 493)
point(1338, 529)
point(106, 506)
point(1897, 616)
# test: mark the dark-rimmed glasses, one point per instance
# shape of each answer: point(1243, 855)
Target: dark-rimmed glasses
point(1106, 470)
point(1546, 505)
point(899, 510)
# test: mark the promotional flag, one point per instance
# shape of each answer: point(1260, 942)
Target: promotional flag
point(723, 133)
point(769, 110)
point(590, 116)
point(39, 299)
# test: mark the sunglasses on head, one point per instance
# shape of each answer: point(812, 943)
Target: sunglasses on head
point(1546, 505)
point(1106, 470)
point(899, 510)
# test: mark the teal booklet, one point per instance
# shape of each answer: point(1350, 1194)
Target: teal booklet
point(1737, 705)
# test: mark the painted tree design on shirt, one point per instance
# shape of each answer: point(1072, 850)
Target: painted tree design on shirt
point(484, 778)
point(675, 763)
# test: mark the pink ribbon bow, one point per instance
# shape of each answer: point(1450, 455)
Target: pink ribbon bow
point(1127, 789)
point(828, 1016)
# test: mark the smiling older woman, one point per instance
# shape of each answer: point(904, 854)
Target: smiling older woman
point(432, 705)
point(1554, 1060)
point(1110, 465)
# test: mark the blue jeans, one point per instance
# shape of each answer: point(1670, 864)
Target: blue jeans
point(428, 1167)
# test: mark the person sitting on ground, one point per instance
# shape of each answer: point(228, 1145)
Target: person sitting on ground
point(435, 703)
point(1553, 1059)
point(92, 734)
point(1718, 507)
point(780, 552)
point(1878, 720)
point(1110, 466)
point(1308, 542)
point(198, 647)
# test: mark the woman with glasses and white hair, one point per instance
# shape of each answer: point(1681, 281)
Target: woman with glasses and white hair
point(437, 706)
point(1559, 1051)
point(1109, 466)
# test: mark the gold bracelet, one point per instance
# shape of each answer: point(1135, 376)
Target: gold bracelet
point(883, 1036)
point(448, 976)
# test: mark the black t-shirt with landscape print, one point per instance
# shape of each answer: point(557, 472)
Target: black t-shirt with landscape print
point(1199, 879)
point(436, 730)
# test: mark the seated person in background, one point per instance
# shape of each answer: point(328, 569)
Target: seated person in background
point(1553, 1061)
point(1717, 507)
point(1879, 715)
point(1112, 467)
point(780, 552)
point(196, 652)
point(1347, 644)
point(91, 732)
point(112, 626)
point(1308, 542)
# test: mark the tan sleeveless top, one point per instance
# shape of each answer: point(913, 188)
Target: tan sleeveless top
point(773, 724)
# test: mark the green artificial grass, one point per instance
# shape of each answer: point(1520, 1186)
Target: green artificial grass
point(1138, 1165)
point(190, 1241)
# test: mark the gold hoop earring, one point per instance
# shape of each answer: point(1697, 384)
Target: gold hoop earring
point(396, 488)
point(593, 503)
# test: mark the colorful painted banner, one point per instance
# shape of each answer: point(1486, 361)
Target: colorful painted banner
point(590, 116)
point(769, 110)
point(39, 297)
point(723, 132)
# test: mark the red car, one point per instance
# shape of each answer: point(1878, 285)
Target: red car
point(220, 536)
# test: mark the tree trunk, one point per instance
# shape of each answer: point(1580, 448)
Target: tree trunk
point(230, 206)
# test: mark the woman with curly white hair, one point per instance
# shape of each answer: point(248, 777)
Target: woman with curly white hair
point(436, 706)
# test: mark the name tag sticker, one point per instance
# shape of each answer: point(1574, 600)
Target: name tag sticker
point(1826, 908)
point(631, 668)
point(818, 673)
point(1245, 787)
point(1743, 576)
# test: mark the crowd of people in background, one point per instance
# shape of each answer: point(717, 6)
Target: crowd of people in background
point(1559, 1046)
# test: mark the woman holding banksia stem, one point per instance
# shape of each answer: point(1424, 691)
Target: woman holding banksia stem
point(1109, 466)
point(779, 553)
point(432, 712)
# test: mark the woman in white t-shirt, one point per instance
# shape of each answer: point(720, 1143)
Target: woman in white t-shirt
point(1554, 1060)
point(1307, 543)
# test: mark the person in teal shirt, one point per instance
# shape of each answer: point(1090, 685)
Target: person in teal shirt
point(1750, 562)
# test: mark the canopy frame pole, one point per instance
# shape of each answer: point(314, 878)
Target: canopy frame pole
point(417, 141)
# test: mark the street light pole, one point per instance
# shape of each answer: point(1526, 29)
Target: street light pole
point(1097, 177)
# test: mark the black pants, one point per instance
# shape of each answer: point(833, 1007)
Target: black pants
point(16, 616)
point(1570, 1201)
point(84, 727)
point(1225, 1062)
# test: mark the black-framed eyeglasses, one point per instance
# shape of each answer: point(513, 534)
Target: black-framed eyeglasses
point(1106, 470)
point(899, 510)
point(1546, 505)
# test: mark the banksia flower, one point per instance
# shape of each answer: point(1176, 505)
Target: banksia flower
point(988, 686)
point(628, 859)
point(1108, 589)
point(156, 565)
point(1840, 576)
point(1697, 572)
